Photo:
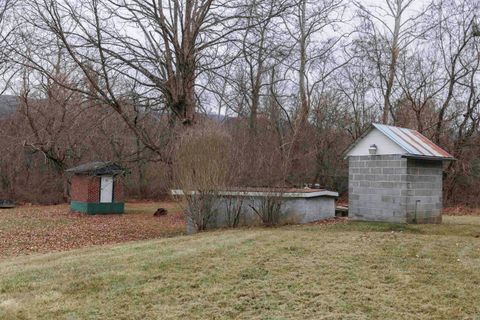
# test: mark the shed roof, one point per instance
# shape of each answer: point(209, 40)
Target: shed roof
point(411, 141)
point(97, 168)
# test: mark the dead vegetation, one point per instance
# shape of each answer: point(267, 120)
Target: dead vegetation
point(461, 211)
point(202, 169)
point(39, 229)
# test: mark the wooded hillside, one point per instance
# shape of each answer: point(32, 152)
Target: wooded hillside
point(285, 85)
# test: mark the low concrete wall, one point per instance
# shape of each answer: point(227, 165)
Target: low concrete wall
point(292, 210)
point(296, 207)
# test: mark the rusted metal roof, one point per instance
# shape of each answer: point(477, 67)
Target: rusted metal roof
point(414, 143)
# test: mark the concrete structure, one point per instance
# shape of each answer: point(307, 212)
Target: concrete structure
point(97, 188)
point(395, 175)
point(297, 205)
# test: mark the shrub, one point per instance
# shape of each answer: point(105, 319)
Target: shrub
point(234, 210)
point(269, 209)
point(201, 170)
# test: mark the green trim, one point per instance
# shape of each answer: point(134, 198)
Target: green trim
point(97, 208)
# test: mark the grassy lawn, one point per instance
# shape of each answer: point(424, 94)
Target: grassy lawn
point(340, 271)
point(41, 229)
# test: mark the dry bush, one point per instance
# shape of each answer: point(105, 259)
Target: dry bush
point(234, 210)
point(202, 168)
point(269, 209)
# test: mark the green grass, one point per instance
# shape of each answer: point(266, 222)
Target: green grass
point(343, 271)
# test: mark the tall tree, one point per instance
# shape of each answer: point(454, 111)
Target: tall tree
point(6, 29)
point(158, 48)
point(313, 28)
point(390, 29)
point(455, 40)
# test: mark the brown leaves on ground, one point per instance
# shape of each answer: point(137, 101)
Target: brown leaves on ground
point(461, 211)
point(335, 220)
point(26, 230)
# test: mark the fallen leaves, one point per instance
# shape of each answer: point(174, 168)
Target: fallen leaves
point(335, 220)
point(27, 230)
point(461, 211)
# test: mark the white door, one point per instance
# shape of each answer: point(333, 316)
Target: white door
point(106, 189)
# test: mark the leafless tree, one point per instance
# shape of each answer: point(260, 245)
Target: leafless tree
point(420, 84)
point(354, 83)
point(6, 28)
point(158, 47)
point(261, 50)
point(293, 82)
point(313, 50)
point(457, 45)
point(387, 41)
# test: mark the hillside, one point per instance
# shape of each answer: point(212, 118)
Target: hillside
point(342, 271)
point(8, 105)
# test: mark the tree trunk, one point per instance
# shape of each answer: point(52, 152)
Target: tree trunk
point(395, 50)
point(303, 107)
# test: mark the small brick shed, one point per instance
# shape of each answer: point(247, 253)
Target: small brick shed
point(97, 188)
point(395, 175)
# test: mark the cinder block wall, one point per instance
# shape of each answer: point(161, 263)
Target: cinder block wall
point(377, 188)
point(393, 189)
point(424, 191)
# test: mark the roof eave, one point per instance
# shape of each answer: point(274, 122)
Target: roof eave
point(98, 170)
point(94, 173)
point(432, 158)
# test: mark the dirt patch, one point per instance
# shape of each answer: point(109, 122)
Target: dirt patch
point(26, 230)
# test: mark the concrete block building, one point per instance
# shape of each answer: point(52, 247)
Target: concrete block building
point(97, 188)
point(296, 205)
point(395, 175)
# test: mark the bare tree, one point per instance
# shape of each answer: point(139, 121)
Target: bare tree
point(354, 84)
point(455, 37)
point(387, 41)
point(311, 23)
point(420, 84)
point(158, 47)
point(261, 50)
point(5, 32)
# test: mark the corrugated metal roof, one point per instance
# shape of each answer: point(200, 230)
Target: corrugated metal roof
point(413, 142)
